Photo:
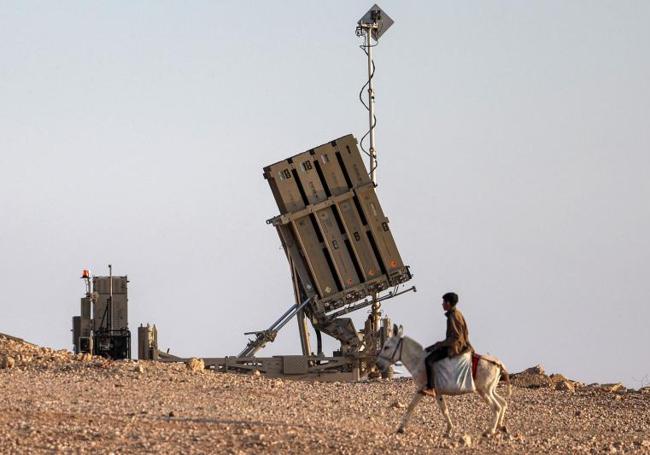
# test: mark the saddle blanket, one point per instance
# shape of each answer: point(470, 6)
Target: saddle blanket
point(453, 375)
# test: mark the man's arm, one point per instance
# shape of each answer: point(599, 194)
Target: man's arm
point(453, 333)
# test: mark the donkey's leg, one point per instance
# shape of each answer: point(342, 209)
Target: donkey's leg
point(496, 409)
point(504, 405)
point(407, 415)
point(445, 411)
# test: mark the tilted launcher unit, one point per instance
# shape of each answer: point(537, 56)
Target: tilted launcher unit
point(337, 240)
point(332, 226)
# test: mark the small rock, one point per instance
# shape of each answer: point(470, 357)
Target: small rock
point(537, 369)
point(466, 440)
point(531, 380)
point(86, 357)
point(565, 385)
point(171, 414)
point(558, 377)
point(256, 373)
point(139, 368)
point(613, 387)
point(7, 362)
point(195, 364)
point(398, 405)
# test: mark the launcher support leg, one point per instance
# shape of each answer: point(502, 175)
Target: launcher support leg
point(304, 334)
point(300, 316)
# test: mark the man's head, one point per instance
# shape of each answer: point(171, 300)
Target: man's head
point(449, 300)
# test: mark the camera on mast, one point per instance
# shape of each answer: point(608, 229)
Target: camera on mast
point(376, 20)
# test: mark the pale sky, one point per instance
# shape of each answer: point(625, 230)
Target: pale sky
point(514, 161)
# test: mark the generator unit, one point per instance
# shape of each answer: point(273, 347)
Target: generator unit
point(102, 328)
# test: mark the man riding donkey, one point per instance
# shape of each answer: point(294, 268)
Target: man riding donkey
point(458, 369)
point(455, 343)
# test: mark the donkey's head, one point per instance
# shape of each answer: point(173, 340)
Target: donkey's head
point(391, 351)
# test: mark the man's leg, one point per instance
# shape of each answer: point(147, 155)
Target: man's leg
point(434, 356)
point(429, 363)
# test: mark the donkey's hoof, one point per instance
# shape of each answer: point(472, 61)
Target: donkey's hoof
point(401, 430)
point(504, 429)
point(488, 434)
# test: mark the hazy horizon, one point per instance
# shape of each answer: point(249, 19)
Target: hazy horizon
point(514, 151)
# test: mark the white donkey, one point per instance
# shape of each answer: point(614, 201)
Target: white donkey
point(488, 372)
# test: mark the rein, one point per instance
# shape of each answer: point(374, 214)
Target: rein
point(399, 346)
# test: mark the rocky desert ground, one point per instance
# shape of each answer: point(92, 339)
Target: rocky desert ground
point(56, 402)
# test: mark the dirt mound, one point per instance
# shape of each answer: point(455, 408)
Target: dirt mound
point(16, 353)
point(22, 354)
point(535, 378)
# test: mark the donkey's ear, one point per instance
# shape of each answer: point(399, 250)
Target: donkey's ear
point(400, 331)
point(395, 330)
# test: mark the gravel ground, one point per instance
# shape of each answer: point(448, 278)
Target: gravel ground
point(53, 401)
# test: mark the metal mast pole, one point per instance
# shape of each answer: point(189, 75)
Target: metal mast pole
point(371, 108)
point(373, 24)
